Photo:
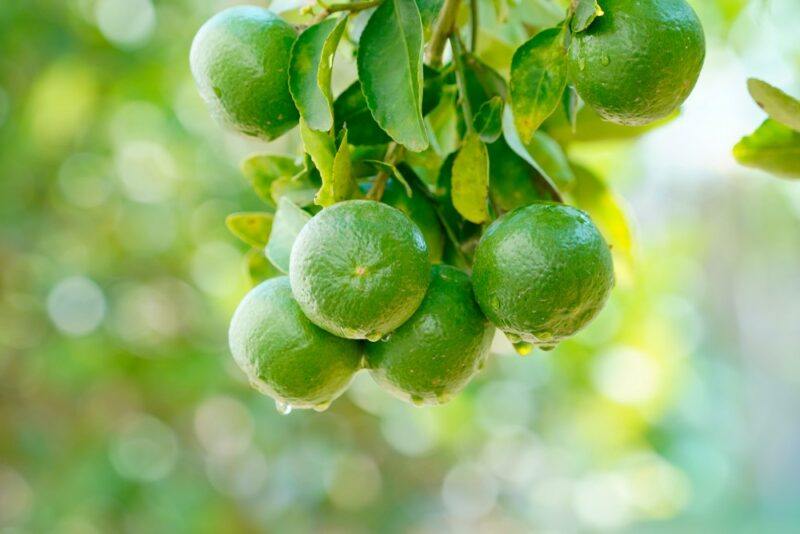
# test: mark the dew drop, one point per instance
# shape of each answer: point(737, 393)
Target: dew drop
point(284, 408)
point(374, 336)
point(322, 406)
point(523, 348)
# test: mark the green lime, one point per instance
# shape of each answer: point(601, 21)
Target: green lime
point(284, 355)
point(433, 355)
point(359, 269)
point(542, 272)
point(419, 209)
point(638, 61)
point(240, 62)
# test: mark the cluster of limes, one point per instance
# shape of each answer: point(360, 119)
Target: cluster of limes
point(361, 291)
point(366, 287)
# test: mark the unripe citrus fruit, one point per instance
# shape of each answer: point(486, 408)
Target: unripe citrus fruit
point(638, 61)
point(359, 269)
point(285, 355)
point(434, 354)
point(240, 62)
point(542, 272)
point(420, 210)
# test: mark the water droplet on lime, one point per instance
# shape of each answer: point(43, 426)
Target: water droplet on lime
point(513, 338)
point(284, 408)
point(374, 336)
point(322, 406)
point(523, 348)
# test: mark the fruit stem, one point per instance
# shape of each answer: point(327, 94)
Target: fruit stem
point(379, 185)
point(461, 80)
point(442, 30)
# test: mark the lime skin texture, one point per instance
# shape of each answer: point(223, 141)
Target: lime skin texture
point(638, 61)
point(284, 354)
point(359, 269)
point(542, 272)
point(420, 210)
point(434, 354)
point(240, 63)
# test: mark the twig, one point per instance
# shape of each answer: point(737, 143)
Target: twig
point(379, 185)
point(352, 7)
point(461, 80)
point(444, 26)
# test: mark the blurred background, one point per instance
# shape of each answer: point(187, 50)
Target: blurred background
point(122, 411)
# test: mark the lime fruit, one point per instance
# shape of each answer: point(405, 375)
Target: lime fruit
point(638, 61)
point(285, 355)
point(419, 209)
point(240, 62)
point(434, 354)
point(359, 269)
point(542, 272)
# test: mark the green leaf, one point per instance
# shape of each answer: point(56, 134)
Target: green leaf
point(390, 70)
point(488, 121)
point(251, 227)
point(500, 10)
point(300, 189)
point(289, 220)
point(470, 185)
point(392, 171)
point(538, 78)
point(778, 105)
point(350, 110)
point(339, 184)
point(333, 165)
point(263, 169)
point(543, 152)
point(310, 72)
point(592, 195)
point(258, 267)
point(585, 13)
point(429, 12)
point(513, 182)
point(572, 105)
point(773, 147)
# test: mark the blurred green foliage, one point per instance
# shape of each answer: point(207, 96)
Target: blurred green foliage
point(121, 410)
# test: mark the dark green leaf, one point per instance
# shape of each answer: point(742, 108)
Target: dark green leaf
point(289, 220)
point(773, 147)
point(258, 267)
point(488, 121)
point(310, 72)
point(483, 82)
point(513, 182)
point(252, 228)
point(263, 169)
point(390, 70)
point(350, 110)
point(585, 13)
point(429, 12)
point(538, 78)
point(470, 185)
point(778, 105)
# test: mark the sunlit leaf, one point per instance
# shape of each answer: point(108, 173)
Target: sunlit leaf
point(488, 120)
point(773, 147)
point(258, 267)
point(779, 106)
point(585, 13)
point(263, 169)
point(300, 189)
point(538, 78)
point(543, 152)
point(289, 220)
point(390, 70)
point(470, 185)
point(333, 165)
point(310, 72)
point(252, 227)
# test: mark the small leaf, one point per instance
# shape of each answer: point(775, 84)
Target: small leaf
point(333, 165)
point(585, 13)
point(778, 105)
point(429, 11)
point(253, 228)
point(300, 189)
point(289, 220)
point(310, 72)
point(538, 78)
point(572, 106)
point(543, 152)
point(773, 147)
point(257, 266)
point(470, 186)
point(263, 169)
point(488, 121)
point(390, 70)
point(392, 171)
